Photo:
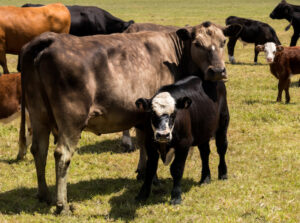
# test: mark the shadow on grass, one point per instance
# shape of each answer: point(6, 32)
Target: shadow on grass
point(249, 64)
point(295, 84)
point(113, 146)
point(122, 206)
point(265, 102)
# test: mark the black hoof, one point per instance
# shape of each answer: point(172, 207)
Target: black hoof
point(128, 148)
point(45, 198)
point(223, 177)
point(175, 201)
point(205, 180)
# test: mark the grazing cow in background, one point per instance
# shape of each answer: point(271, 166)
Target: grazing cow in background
point(138, 27)
point(20, 25)
point(91, 20)
point(291, 13)
point(10, 100)
point(284, 62)
point(252, 32)
point(119, 69)
point(187, 113)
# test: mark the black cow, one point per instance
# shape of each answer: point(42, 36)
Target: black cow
point(252, 32)
point(90, 20)
point(291, 13)
point(187, 113)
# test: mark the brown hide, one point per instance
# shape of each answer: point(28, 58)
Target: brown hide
point(20, 25)
point(138, 27)
point(10, 94)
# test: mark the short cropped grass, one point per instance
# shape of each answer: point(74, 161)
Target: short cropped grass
point(263, 155)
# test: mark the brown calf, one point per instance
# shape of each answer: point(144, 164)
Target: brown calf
point(284, 62)
point(20, 25)
point(10, 101)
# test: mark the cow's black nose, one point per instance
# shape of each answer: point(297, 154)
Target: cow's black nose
point(162, 136)
point(215, 73)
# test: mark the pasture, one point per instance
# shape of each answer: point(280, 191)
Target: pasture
point(263, 155)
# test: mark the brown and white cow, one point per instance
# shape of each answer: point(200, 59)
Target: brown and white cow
point(118, 69)
point(20, 25)
point(10, 101)
point(284, 63)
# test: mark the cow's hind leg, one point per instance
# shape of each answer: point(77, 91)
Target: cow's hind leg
point(3, 61)
point(256, 52)
point(204, 153)
point(39, 150)
point(287, 93)
point(127, 142)
point(63, 154)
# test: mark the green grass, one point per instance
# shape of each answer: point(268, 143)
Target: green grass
point(263, 156)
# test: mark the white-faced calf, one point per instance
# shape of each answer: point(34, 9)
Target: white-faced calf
point(284, 63)
point(187, 113)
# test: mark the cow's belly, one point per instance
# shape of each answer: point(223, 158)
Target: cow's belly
point(103, 124)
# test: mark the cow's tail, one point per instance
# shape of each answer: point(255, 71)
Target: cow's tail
point(29, 55)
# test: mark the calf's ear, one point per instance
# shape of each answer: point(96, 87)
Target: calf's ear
point(260, 48)
point(279, 48)
point(143, 104)
point(183, 103)
point(232, 30)
point(183, 34)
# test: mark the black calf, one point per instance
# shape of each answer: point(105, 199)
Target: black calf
point(189, 113)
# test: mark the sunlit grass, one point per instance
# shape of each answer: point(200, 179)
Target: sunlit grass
point(263, 155)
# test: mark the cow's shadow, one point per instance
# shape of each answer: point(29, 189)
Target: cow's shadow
point(122, 206)
point(244, 63)
point(295, 84)
point(113, 146)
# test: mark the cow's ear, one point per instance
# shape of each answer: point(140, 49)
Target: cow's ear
point(143, 104)
point(183, 34)
point(279, 48)
point(232, 30)
point(260, 48)
point(184, 102)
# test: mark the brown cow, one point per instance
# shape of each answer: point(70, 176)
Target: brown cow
point(284, 62)
point(10, 101)
point(118, 68)
point(20, 25)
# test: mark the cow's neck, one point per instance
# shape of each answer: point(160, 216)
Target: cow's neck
point(185, 65)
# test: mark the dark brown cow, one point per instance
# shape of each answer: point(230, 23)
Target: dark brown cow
point(118, 69)
point(10, 100)
point(284, 63)
point(20, 25)
point(138, 27)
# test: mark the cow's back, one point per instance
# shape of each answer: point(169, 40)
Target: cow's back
point(20, 25)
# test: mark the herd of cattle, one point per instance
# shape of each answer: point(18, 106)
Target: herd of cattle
point(166, 81)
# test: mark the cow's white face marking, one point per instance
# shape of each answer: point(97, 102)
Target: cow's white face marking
point(270, 50)
point(213, 48)
point(163, 103)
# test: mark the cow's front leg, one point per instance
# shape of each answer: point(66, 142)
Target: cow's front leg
point(151, 169)
point(294, 39)
point(256, 52)
point(177, 169)
point(63, 154)
point(127, 142)
point(230, 46)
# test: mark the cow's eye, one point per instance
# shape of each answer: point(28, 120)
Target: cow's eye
point(223, 43)
point(274, 52)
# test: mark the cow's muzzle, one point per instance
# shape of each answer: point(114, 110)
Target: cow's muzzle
point(215, 74)
point(163, 137)
point(272, 16)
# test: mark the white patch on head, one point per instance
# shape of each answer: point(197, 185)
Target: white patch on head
point(270, 50)
point(163, 103)
point(213, 48)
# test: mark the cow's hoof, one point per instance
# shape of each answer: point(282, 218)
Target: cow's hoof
point(47, 198)
point(20, 157)
point(63, 209)
point(205, 180)
point(128, 148)
point(175, 201)
point(223, 177)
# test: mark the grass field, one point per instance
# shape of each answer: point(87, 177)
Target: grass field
point(263, 156)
